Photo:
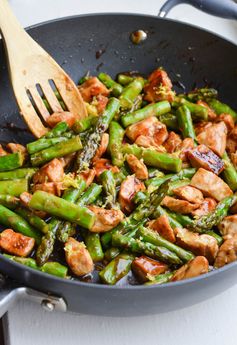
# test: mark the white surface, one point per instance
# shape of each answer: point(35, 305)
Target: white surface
point(210, 322)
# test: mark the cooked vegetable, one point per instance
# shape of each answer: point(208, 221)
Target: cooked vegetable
point(147, 181)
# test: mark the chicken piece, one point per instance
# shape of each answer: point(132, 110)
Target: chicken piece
point(227, 252)
point(210, 184)
point(54, 188)
point(206, 207)
point(174, 140)
point(88, 176)
point(105, 219)
point(25, 198)
point(162, 226)
point(231, 145)
point(189, 193)
point(204, 245)
point(14, 148)
point(233, 157)
point(179, 206)
point(67, 160)
point(78, 258)
point(211, 114)
point(144, 267)
point(201, 126)
point(193, 268)
point(214, 137)
point(103, 164)
point(2, 151)
point(129, 187)
point(228, 119)
point(103, 147)
point(149, 127)
point(15, 243)
point(203, 157)
point(92, 87)
point(137, 167)
point(50, 172)
point(186, 145)
point(148, 142)
point(63, 116)
point(101, 103)
point(159, 87)
point(228, 226)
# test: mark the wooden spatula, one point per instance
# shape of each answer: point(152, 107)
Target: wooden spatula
point(35, 75)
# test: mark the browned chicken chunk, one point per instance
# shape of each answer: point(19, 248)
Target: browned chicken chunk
point(92, 87)
point(203, 157)
point(129, 187)
point(16, 148)
point(143, 267)
point(180, 206)
point(189, 193)
point(206, 207)
point(54, 188)
point(228, 119)
point(204, 245)
point(88, 176)
point(78, 258)
point(64, 116)
point(2, 151)
point(210, 184)
point(172, 142)
point(227, 252)
point(228, 226)
point(162, 226)
point(200, 126)
point(186, 145)
point(103, 164)
point(103, 146)
point(214, 137)
point(149, 127)
point(193, 268)
point(105, 219)
point(15, 243)
point(100, 103)
point(137, 167)
point(233, 157)
point(159, 87)
point(148, 142)
point(67, 160)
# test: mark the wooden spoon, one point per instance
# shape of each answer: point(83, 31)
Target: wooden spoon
point(34, 74)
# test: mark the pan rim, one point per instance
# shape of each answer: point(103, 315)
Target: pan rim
point(57, 280)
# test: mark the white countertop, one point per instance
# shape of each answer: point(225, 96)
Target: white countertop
point(210, 322)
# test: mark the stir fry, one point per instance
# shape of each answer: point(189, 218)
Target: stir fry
point(142, 191)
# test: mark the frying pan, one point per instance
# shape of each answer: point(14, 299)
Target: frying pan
point(192, 57)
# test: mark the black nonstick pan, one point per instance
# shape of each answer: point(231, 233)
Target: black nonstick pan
point(101, 42)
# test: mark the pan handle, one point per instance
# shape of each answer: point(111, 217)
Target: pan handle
point(219, 8)
point(11, 292)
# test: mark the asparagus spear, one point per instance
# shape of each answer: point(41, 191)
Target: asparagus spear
point(9, 201)
point(116, 269)
point(213, 218)
point(221, 108)
point(17, 174)
point(61, 208)
point(124, 79)
point(84, 124)
point(154, 158)
point(14, 188)
point(65, 230)
point(11, 161)
point(93, 140)
point(153, 237)
point(111, 253)
point(94, 247)
point(43, 143)
point(130, 93)
point(198, 111)
point(17, 223)
point(56, 151)
point(202, 94)
point(183, 174)
point(116, 134)
point(170, 120)
point(109, 187)
point(160, 279)
point(116, 89)
point(57, 131)
point(90, 195)
point(229, 174)
point(185, 122)
point(33, 219)
point(146, 248)
point(155, 109)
